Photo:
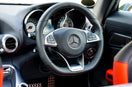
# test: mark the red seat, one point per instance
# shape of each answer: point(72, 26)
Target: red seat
point(1, 74)
point(122, 66)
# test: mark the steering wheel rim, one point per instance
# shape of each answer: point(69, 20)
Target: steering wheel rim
point(40, 38)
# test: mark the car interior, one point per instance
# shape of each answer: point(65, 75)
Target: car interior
point(66, 44)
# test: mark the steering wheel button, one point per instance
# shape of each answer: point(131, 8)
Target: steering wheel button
point(94, 38)
point(89, 39)
point(51, 38)
point(50, 41)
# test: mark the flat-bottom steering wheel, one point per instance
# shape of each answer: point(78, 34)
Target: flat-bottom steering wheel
point(69, 42)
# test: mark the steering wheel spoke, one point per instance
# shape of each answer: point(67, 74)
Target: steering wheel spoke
point(50, 40)
point(79, 66)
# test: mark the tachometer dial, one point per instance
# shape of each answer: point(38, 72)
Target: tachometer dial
point(65, 22)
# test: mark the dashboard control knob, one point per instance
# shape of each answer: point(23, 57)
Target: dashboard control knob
point(90, 53)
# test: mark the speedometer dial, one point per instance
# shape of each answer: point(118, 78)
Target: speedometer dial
point(31, 21)
point(65, 22)
point(30, 27)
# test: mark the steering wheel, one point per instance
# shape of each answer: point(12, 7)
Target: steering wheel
point(69, 42)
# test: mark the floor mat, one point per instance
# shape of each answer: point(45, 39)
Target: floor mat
point(60, 81)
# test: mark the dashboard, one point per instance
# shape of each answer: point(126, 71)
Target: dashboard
point(18, 24)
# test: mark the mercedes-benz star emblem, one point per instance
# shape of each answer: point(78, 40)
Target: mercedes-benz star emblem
point(74, 41)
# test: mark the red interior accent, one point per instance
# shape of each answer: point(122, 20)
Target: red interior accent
point(1, 77)
point(120, 73)
point(109, 73)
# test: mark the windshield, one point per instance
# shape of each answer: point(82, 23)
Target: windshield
point(37, 1)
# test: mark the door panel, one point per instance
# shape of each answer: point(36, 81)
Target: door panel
point(117, 33)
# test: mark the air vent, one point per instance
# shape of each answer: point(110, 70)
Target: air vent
point(10, 43)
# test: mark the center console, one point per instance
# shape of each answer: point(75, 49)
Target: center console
point(12, 77)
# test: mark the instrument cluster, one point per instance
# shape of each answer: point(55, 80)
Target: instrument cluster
point(67, 18)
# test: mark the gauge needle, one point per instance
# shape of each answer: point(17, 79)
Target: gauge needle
point(30, 27)
point(65, 24)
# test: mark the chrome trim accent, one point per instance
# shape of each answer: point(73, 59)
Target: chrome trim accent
point(65, 17)
point(30, 13)
point(18, 79)
point(87, 26)
point(74, 68)
point(23, 84)
point(54, 44)
point(4, 38)
point(122, 35)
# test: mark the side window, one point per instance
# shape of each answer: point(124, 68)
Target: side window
point(125, 5)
